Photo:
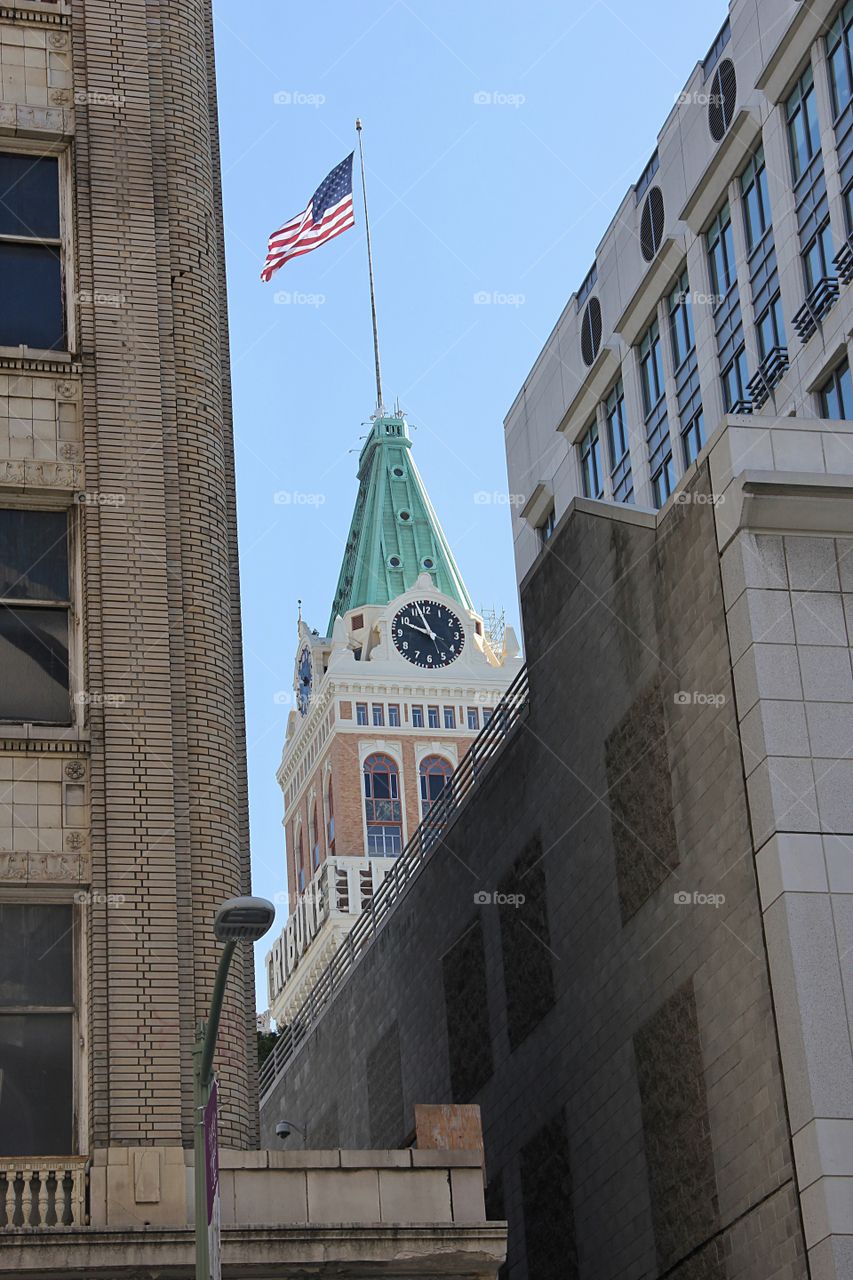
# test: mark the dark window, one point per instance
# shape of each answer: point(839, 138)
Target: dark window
point(681, 321)
point(361, 713)
point(526, 945)
point(589, 451)
point(546, 1194)
point(435, 773)
point(734, 378)
point(693, 436)
point(838, 52)
point(34, 614)
point(817, 256)
point(36, 1029)
point(330, 825)
point(836, 394)
point(663, 481)
point(469, 1040)
point(616, 418)
point(756, 200)
point(770, 327)
point(546, 528)
point(721, 254)
point(803, 124)
point(31, 304)
point(651, 369)
point(417, 717)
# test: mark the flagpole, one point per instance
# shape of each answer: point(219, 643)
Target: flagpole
point(380, 407)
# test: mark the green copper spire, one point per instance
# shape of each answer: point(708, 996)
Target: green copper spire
point(395, 534)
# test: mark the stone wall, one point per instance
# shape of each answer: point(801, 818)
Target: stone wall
point(637, 1024)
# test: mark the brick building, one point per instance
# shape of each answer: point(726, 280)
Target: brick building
point(632, 943)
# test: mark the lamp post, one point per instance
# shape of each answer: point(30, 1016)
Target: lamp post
point(237, 920)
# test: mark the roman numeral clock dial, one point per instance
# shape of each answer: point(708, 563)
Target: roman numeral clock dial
point(428, 634)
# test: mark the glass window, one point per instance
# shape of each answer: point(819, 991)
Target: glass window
point(473, 719)
point(435, 773)
point(651, 369)
point(450, 717)
point(817, 257)
point(589, 451)
point(617, 423)
point(31, 305)
point(487, 716)
point(721, 254)
point(546, 528)
point(734, 379)
point(803, 125)
point(34, 613)
point(330, 823)
point(681, 321)
point(838, 44)
point(663, 481)
point(836, 394)
point(382, 806)
point(361, 713)
point(693, 436)
point(394, 716)
point(770, 327)
point(378, 715)
point(756, 200)
point(417, 717)
point(432, 717)
point(300, 861)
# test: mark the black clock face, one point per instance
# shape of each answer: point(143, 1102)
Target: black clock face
point(303, 692)
point(428, 634)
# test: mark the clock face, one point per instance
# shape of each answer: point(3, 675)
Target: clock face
point(428, 634)
point(306, 676)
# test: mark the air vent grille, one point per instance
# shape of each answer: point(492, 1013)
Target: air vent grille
point(591, 331)
point(651, 224)
point(723, 98)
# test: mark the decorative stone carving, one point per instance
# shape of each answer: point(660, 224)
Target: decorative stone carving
point(67, 390)
point(75, 770)
point(59, 97)
point(58, 40)
point(13, 866)
point(55, 866)
point(74, 839)
point(44, 475)
point(70, 452)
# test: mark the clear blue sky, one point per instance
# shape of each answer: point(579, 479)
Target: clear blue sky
point(507, 197)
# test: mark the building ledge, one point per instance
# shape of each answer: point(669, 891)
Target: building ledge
point(809, 22)
point(641, 308)
point(744, 133)
point(604, 369)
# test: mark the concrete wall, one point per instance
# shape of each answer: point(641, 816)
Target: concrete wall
point(616, 1026)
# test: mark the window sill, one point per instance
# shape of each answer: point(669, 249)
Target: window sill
point(36, 734)
point(32, 358)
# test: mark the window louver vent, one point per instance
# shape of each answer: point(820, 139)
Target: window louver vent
point(721, 108)
point(591, 331)
point(651, 224)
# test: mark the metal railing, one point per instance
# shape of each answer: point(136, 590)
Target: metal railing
point(427, 836)
point(44, 1192)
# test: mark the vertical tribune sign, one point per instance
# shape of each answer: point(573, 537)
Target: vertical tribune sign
point(211, 1163)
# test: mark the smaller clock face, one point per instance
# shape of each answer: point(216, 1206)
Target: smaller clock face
point(306, 676)
point(428, 634)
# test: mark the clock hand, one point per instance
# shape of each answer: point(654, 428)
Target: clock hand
point(429, 630)
point(423, 631)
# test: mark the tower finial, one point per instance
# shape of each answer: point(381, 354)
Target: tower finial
point(299, 608)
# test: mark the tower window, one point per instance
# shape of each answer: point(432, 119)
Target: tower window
point(382, 806)
point(417, 717)
point(449, 717)
point(473, 719)
point(34, 616)
point(330, 822)
point(432, 717)
point(361, 713)
point(394, 716)
point(378, 715)
point(435, 774)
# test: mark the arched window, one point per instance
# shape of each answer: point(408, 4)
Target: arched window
point(436, 773)
point(382, 806)
point(330, 819)
point(315, 838)
point(300, 860)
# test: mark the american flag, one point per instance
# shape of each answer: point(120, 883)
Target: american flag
point(329, 213)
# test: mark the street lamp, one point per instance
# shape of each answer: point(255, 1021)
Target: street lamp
point(237, 920)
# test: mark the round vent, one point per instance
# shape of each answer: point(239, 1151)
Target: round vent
point(651, 224)
point(591, 331)
point(723, 97)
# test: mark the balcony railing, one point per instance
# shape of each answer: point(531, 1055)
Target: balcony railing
point(822, 297)
point(42, 1192)
point(427, 836)
point(771, 371)
point(843, 261)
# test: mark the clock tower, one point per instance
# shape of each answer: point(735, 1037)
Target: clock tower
point(386, 705)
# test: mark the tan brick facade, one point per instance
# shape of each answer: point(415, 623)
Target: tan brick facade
point(143, 799)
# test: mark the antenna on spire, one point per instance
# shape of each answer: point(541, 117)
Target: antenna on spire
point(380, 407)
point(299, 608)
